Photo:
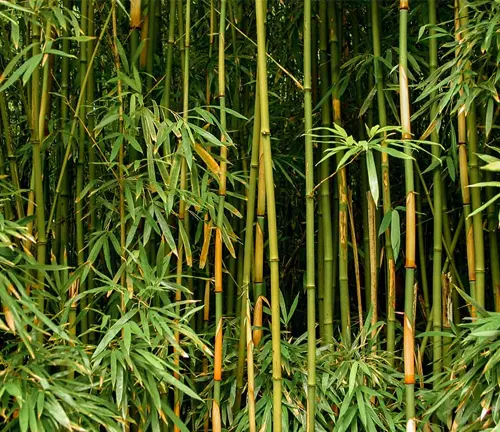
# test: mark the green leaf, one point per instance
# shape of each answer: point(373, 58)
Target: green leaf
point(112, 332)
point(485, 205)
point(489, 117)
point(31, 65)
point(368, 101)
point(395, 233)
point(57, 412)
point(386, 221)
point(372, 176)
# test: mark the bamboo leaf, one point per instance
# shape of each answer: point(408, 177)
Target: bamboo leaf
point(395, 233)
point(489, 117)
point(113, 331)
point(372, 176)
point(186, 244)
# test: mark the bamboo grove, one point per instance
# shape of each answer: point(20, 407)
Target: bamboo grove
point(226, 215)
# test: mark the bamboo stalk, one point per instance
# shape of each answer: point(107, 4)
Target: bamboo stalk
point(438, 207)
point(80, 162)
point(39, 111)
point(216, 414)
point(324, 191)
point(63, 208)
point(248, 243)
point(474, 177)
point(309, 194)
point(464, 179)
point(185, 45)
point(409, 332)
point(259, 249)
point(345, 316)
point(386, 186)
point(271, 210)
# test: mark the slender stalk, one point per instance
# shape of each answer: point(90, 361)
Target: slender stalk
point(259, 249)
point(80, 163)
point(91, 151)
point(63, 208)
point(345, 315)
point(135, 28)
point(464, 180)
point(245, 321)
point(182, 214)
point(324, 191)
point(437, 198)
point(409, 332)
point(121, 179)
point(493, 243)
point(386, 186)
point(216, 415)
point(170, 51)
point(39, 111)
point(309, 193)
point(474, 176)
point(373, 261)
point(271, 210)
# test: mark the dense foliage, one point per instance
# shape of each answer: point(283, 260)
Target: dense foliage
point(226, 215)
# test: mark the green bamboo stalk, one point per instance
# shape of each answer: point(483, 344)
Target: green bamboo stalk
point(63, 208)
point(324, 191)
point(464, 178)
point(438, 207)
point(216, 414)
point(185, 39)
point(386, 189)
point(492, 213)
point(474, 176)
point(271, 211)
point(309, 194)
point(80, 163)
point(258, 280)
point(121, 178)
point(245, 321)
point(170, 50)
point(91, 152)
point(38, 113)
point(409, 332)
point(135, 28)
point(364, 187)
point(345, 316)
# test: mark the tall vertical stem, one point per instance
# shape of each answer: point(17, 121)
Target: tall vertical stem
point(80, 164)
point(324, 191)
point(309, 194)
point(474, 175)
point(345, 315)
point(271, 211)
point(409, 332)
point(386, 185)
point(438, 207)
point(216, 415)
